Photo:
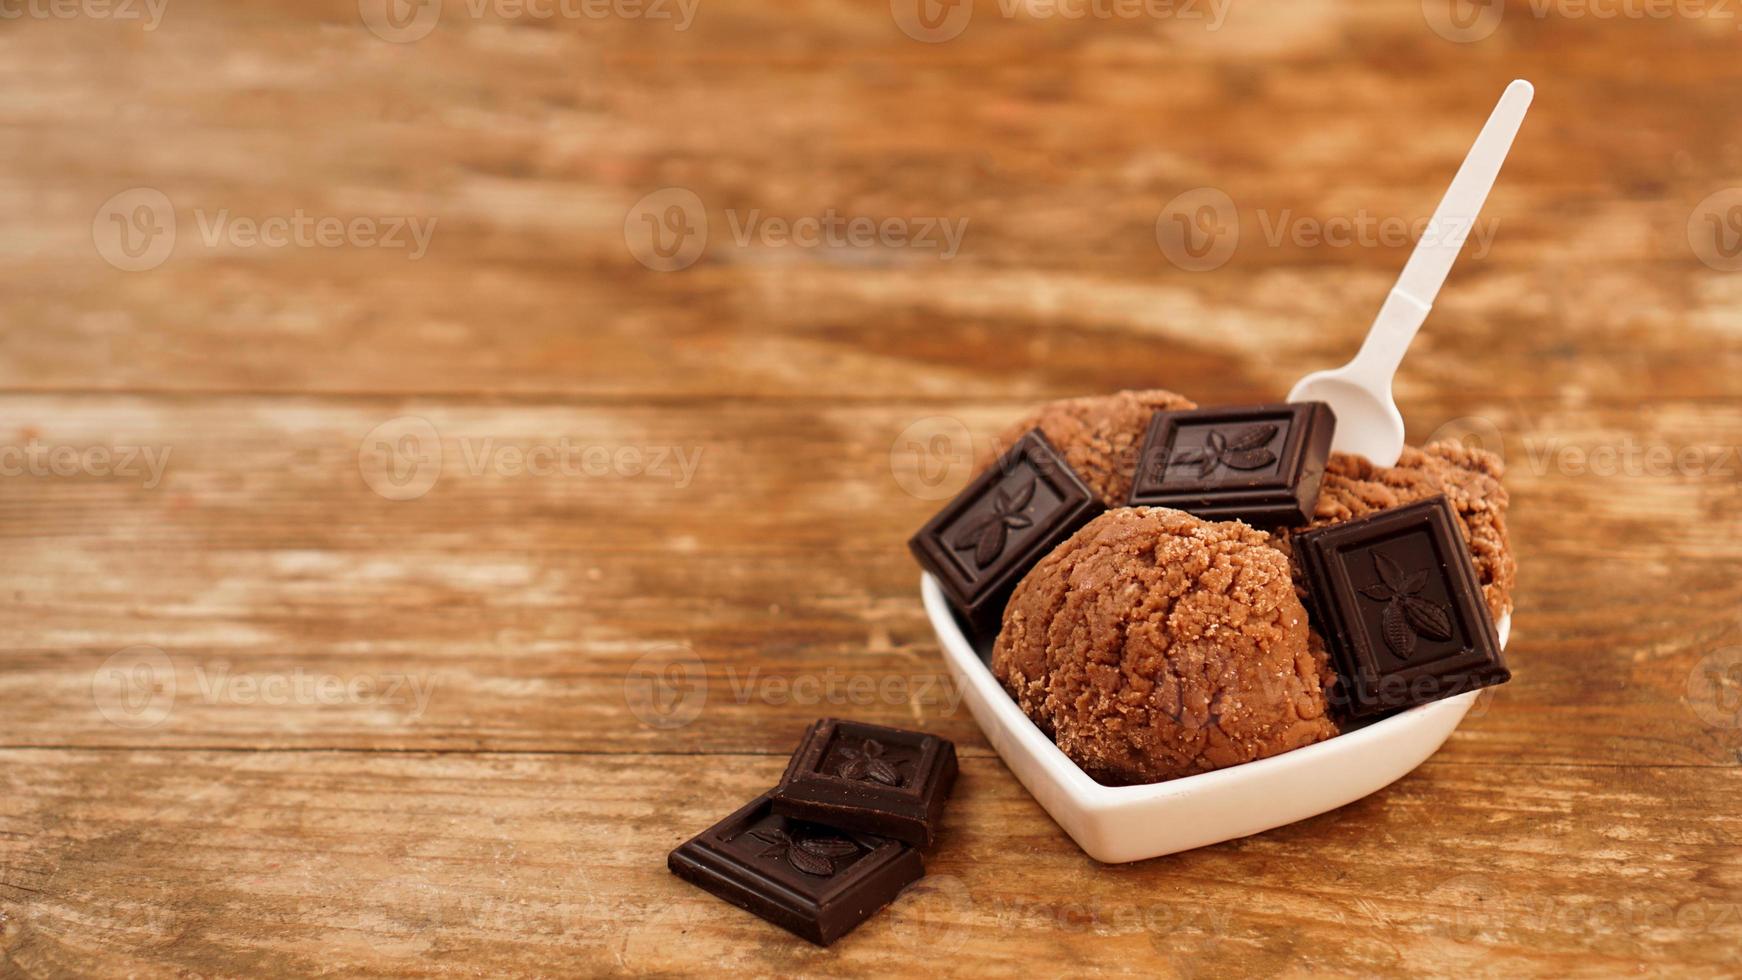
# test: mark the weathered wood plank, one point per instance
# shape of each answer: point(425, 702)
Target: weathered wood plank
point(529, 166)
point(296, 608)
point(149, 863)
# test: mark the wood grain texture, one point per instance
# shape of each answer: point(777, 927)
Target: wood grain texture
point(263, 717)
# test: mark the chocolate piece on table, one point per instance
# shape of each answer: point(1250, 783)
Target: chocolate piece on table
point(816, 882)
point(983, 541)
point(1261, 464)
point(1400, 608)
point(869, 778)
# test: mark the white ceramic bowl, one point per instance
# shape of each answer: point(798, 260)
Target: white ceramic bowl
point(1130, 823)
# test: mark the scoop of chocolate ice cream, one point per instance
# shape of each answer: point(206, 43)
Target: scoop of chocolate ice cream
point(1153, 645)
point(1470, 479)
point(1100, 436)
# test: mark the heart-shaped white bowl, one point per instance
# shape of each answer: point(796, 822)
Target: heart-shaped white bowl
point(1130, 823)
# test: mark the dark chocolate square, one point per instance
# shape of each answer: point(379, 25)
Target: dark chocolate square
point(814, 881)
point(1397, 601)
point(869, 778)
point(1004, 522)
point(1261, 464)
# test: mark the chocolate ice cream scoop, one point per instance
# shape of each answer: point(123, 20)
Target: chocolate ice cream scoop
point(1099, 436)
point(1153, 645)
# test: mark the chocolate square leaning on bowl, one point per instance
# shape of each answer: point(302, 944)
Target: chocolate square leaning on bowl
point(1262, 464)
point(1004, 522)
point(869, 778)
point(814, 881)
point(1397, 601)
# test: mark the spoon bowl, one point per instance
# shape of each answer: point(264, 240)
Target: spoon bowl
point(1368, 423)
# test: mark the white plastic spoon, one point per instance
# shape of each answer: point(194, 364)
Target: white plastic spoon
point(1359, 392)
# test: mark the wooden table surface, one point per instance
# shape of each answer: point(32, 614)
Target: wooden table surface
point(383, 609)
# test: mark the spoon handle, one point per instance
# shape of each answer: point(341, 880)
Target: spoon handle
point(1388, 340)
point(1438, 249)
point(1453, 220)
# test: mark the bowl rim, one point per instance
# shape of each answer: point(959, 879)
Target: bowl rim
point(1087, 791)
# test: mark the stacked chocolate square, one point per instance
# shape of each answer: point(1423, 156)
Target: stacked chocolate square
point(838, 838)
